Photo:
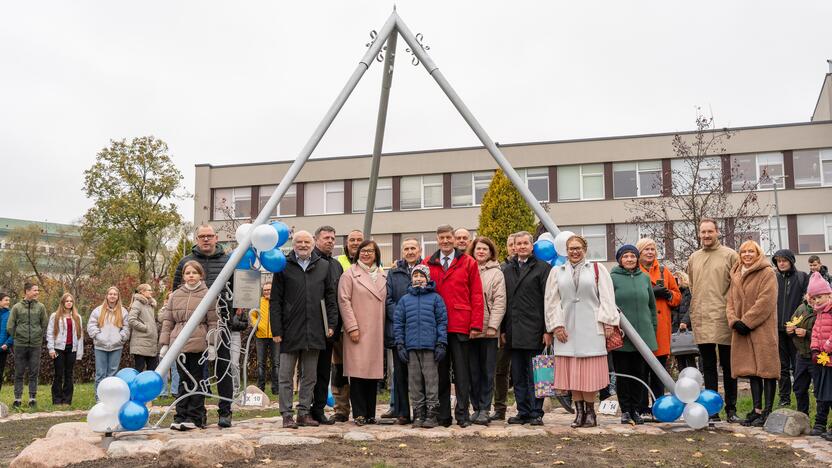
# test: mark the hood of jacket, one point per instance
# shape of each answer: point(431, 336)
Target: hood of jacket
point(788, 255)
point(427, 288)
point(620, 270)
point(489, 265)
point(144, 300)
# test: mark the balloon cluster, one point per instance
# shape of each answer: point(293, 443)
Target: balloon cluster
point(121, 401)
point(552, 249)
point(266, 240)
point(689, 401)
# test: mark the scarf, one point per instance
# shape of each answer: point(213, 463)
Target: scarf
point(372, 270)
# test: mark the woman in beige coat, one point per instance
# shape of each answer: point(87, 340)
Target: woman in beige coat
point(482, 357)
point(143, 332)
point(752, 315)
point(362, 291)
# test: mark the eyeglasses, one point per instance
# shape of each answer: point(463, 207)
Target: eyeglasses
point(575, 249)
point(368, 251)
point(206, 237)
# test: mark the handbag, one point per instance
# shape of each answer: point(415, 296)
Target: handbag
point(616, 338)
point(681, 344)
point(543, 366)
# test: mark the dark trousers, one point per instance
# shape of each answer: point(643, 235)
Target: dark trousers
point(822, 413)
point(143, 363)
point(805, 372)
point(788, 354)
point(363, 394)
point(686, 360)
point(523, 375)
point(457, 360)
point(708, 356)
point(483, 363)
point(26, 358)
point(324, 368)
point(501, 378)
point(267, 349)
point(400, 387)
point(656, 385)
point(192, 407)
point(225, 385)
point(630, 392)
point(64, 363)
point(3, 356)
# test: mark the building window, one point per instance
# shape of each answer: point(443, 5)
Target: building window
point(596, 239)
point(763, 230)
point(232, 203)
point(384, 195)
point(537, 180)
point(419, 192)
point(582, 182)
point(813, 168)
point(708, 179)
point(637, 179)
point(814, 233)
point(756, 171)
point(324, 198)
point(631, 233)
point(288, 205)
point(427, 240)
point(468, 188)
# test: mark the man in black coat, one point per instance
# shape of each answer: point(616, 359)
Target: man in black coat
point(791, 287)
point(213, 259)
point(302, 312)
point(524, 325)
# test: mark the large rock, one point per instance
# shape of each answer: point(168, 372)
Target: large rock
point(74, 429)
point(358, 436)
point(788, 422)
point(57, 451)
point(289, 440)
point(256, 398)
point(134, 448)
point(205, 451)
point(4, 410)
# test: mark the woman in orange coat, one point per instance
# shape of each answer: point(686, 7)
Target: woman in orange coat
point(667, 295)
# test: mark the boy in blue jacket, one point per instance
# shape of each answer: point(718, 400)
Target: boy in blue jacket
point(420, 326)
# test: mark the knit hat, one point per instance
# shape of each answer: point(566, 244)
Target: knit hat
point(624, 249)
point(423, 269)
point(818, 285)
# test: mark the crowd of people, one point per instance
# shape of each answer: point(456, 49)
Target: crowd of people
point(457, 321)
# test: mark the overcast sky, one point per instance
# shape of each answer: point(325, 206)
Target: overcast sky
point(233, 82)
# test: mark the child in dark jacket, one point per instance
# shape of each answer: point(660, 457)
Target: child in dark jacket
point(420, 326)
point(820, 298)
point(799, 327)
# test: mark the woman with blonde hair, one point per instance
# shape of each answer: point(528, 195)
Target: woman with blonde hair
point(65, 342)
point(109, 330)
point(752, 316)
point(143, 331)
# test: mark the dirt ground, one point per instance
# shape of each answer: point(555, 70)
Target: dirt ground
point(713, 449)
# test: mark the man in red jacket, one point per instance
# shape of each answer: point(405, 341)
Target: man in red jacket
point(457, 279)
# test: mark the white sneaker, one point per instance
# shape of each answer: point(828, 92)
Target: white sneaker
point(176, 426)
point(187, 426)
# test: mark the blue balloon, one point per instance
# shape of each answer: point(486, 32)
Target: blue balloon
point(273, 260)
point(558, 260)
point(133, 416)
point(247, 262)
point(668, 408)
point(127, 374)
point(330, 400)
point(282, 232)
point(146, 386)
point(711, 400)
point(545, 250)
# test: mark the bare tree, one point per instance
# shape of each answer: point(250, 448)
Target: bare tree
point(75, 262)
point(161, 249)
point(701, 188)
point(26, 242)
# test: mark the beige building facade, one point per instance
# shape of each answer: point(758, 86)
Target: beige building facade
point(586, 183)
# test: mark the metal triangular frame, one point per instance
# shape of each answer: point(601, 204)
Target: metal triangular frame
point(393, 27)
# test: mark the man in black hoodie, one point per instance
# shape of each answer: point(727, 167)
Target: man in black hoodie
point(791, 287)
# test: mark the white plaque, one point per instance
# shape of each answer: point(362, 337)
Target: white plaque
point(609, 407)
point(247, 289)
point(253, 399)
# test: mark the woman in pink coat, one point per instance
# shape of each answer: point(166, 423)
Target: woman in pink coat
point(362, 291)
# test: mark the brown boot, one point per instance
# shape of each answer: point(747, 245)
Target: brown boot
point(307, 421)
point(580, 415)
point(289, 422)
point(590, 420)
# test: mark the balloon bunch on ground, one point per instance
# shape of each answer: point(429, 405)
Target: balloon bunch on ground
point(552, 249)
point(689, 401)
point(122, 401)
point(266, 240)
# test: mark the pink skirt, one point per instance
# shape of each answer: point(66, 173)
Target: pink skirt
point(587, 374)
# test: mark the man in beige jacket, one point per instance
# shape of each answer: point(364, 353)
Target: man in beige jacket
point(709, 269)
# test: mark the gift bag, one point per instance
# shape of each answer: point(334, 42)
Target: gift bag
point(544, 374)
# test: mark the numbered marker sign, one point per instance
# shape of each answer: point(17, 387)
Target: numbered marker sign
point(254, 399)
point(609, 407)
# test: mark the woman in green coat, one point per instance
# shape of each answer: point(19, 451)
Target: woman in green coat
point(634, 296)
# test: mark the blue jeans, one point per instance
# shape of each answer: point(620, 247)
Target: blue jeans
point(173, 377)
point(106, 365)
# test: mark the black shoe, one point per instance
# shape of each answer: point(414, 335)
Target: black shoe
point(225, 421)
point(538, 421)
point(289, 422)
point(761, 421)
point(360, 421)
point(481, 419)
point(446, 423)
point(418, 423)
point(637, 419)
point(17, 404)
point(430, 422)
point(626, 418)
point(498, 415)
point(784, 403)
point(340, 418)
point(817, 431)
point(402, 421)
point(750, 418)
point(389, 414)
point(731, 417)
point(827, 436)
point(372, 421)
point(517, 420)
point(322, 419)
point(714, 418)
point(33, 403)
point(464, 423)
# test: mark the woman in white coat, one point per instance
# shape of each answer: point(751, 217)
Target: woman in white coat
point(65, 342)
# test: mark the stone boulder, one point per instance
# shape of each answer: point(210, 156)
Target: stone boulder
point(289, 440)
point(4, 410)
point(358, 436)
point(205, 451)
point(788, 422)
point(75, 429)
point(256, 398)
point(57, 451)
point(134, 448)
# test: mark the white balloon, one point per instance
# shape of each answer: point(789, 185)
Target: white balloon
point(264, 238)
point(692, 373)
point(242, 231)
point(102, 418)
point(687, 390)
point(547, 236)
point(113, 392)
point(560, 242)
point(695, 415)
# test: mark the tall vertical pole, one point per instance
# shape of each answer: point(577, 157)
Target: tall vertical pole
point(381, 123)
point(777, 213)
